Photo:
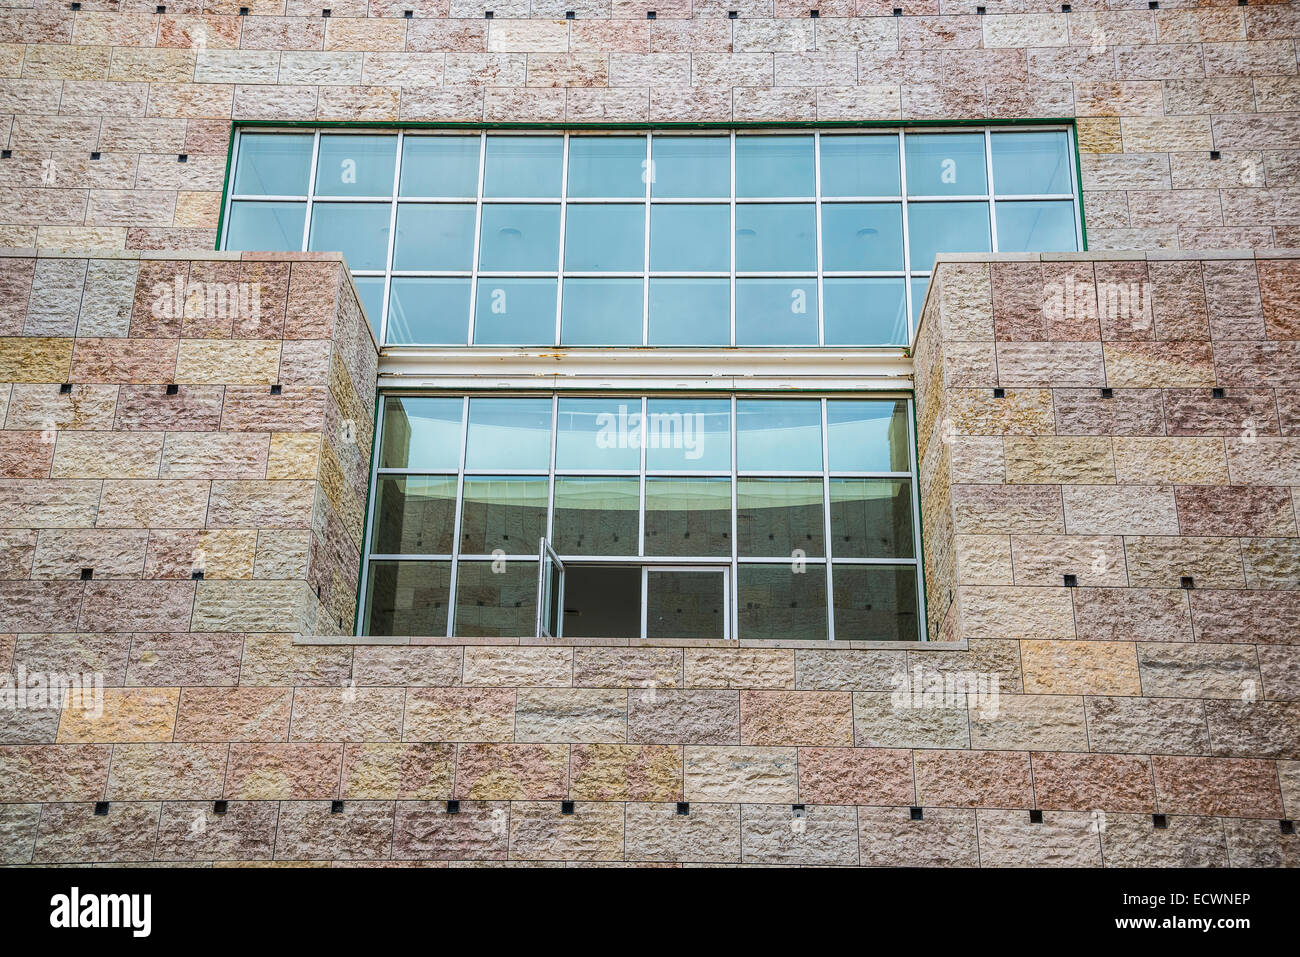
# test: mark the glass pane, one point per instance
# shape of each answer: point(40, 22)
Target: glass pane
point(777, 516)
point(602, 238)
point(496, 599)
point(688, 516)
point(783, 601)
point(868, 435)
point(875, 602)
point(688, 435)
point(503, 512)
point(358, 230)
point(407, 598)
point(596, 516)
point(1036, 227)
point(779, 435)
point(439, 166)
point(523, 166)
point(871, 518)
point(352, 165)
point(774, 166)
point(428, 311)
point(685, 604)
point(273, 164)
point(945, 164)
point(421, 432)
point(598, 434)
point(525, 237)
point(434, 236)
point(414, 515)
point(686, 167)
point(1031, 162)
point(773, 237)
point(860, 237)
point(690, 312)
point(860, 165)
point(514, 312)
point(776, 312)
point(690, 238)
point(919, 286)
point(265, 226)
point(370, 290)
point(934, 228)
point(607, 166)
point(602, 312)
point(864, 312)
point(509, 434)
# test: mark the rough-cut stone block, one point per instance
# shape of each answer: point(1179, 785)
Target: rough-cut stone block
point(1079, 782)
point(593, 832)
point(710, 833)
point(645, 668)
point(129, 715)
point(944, 837)
point(1132, 614)
point(347, 714)
point(171, 772)
point(683, 717)
point(735, 773)
point(309, 830)
point(873, 776)
point(796, 718)
point(512, 667)
point(1109, 510)
point(284, 772)
point(54, 772)
point(423, 830)
point(571, 715)
point(398, 771)
point(824, 835)
point(234, 714)
point(1222, 786)
point(626, 772)
point(973, 778)
point(1146, 725)
point(191, 831)
point(1009, 721)
point(1198, 670)
point(459, 714)
point(1080, 667)
point(512, 772)
point(739, 668)
point(1063, 839)
point(908, 719)
point(74, 833)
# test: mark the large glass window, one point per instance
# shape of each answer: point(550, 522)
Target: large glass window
point(800, 238)
point(755, 517)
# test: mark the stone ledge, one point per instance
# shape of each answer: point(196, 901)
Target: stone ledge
point(531, 642)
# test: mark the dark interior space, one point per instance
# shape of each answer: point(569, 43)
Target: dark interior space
point(602, 601)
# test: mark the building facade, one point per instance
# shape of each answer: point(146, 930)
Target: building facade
point(714, 434)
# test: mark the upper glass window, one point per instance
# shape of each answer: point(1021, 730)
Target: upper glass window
point(813, 238)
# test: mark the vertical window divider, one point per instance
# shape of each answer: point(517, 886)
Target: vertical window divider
point(907, 245)
point(311, 190)
point(733, 240)
point(392, 239)
point(826, 522)
point(550, 478)
point(645, 279)
point(564, 204)
point(734, 584)
point(452, 602)
point(641, 516)
point(988, 190)
point(478, 238)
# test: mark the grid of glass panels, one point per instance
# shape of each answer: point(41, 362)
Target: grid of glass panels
point(809, 502)
point(663, 239)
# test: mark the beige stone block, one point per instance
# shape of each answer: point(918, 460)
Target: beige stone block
point(118, 455)
point(510, 667)
point(1014, 612)
point(228, 361)
point(736, 774)
point(1046, 559)
point(1080, 667)
point(1036, 722)
point(1050, 460)
point(1143, 460)
point(293, 455)
point(983, 559)
point(571, 715)
point(1162, 562)
point(128, 715)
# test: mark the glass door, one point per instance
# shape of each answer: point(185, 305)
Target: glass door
point(686, 601)
point(550, 592)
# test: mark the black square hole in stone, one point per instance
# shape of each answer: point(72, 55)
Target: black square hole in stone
point(196, 575)
point(1065, 8)
point(87, 574)
point(798, 810)
point(979, 10)
point(1071, 581)
point(453, 807)
point(814, 14)
point(1187, 581)
point(220, 807)
point(408, 14)
point(325, 13)
point(5, 154)
point(243, 11)
point(999, 393)
point(566, 807)
point(1153, 5)
point(94, 156)
point(336, 807)
point(74, 6)
point(898, 11)
point(1217, 393)
point(570, 15)
point(649, 14)
point(101, 807)
point(1159, 821)
point(182, 157)
point(1035, 816)
point(683, 807)
point(65, 388)
point(915, 814)
point(487, 14)
point(160, 9)
point(1108, 393)
point(173, 389)
point(1215, 154)
point(732, 14)
point(1286, 826)
point(277, 389)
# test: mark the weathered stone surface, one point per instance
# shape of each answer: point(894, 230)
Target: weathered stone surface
point(398, 771)
point(683, 717)
point(825, 835)
point(173, 772)
point(73, 833)
point(1063, 839)
point(1198, 671)
point(593, 832)
point(571, 714)
point(128, 715)
point(944, 837)
point(1221, 786)
point(309, 830)
point(709, 833)
point(459, 714)
point(1080, 667)
point(739, 668)
point(347, 714)
point(1132, 614)
point(191, 831)
point(796, 718)
point(855, 776)
point(234, 714)
point(1079, 782)
point(973, 778)
point(1046, 722)
point(423, 830)
point(518, 667)
point(626, 772)
point(1146, 725)
point(908, 720)
point(512, 772)
point(729, 774)
point(1129, 840)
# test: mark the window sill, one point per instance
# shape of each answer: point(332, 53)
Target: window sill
point(803, 644)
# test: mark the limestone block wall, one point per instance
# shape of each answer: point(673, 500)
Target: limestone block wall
point(1187, 114)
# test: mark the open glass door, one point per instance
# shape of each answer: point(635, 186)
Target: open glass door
point(550, 592)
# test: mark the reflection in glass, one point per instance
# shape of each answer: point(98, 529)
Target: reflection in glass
point(934, 228)
point(370, 290)
point(496, 600)
point(407, 598)
point(439, 166)
point(350, 164)
point(265, 226)
point(860, 165)
point(421, 432)
point(1031, 226)
point(601, 312)
point(945, 164)
point(514, 312)
point(686, 238)
point(519, 236)
point(273, 164)
point(779, 435)
point(1031, 162)
point(776, 237)
point(689, 167)
point(868, 435)
point(776, 516)
point(414, 515)
point(509, 434)
point(428, 311)
point(875, 602)
point(505, 512)
point(606, 166)
point(864, 312)
point(776, 312)
point(688, 516)
point(358, 230)
point(688, 435)
point(690, 312)
point(524, 166)
point(779, 601)
point(598, 434)
point(775, 166)
point(604, 238)
point(859, 237)
point(596, 515)
point(685, 604)
point(871, 518)
point(434, 236)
